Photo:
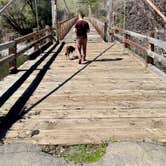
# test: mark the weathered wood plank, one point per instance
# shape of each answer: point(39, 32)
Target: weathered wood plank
point(114, 97)
point(158, 57)
point(156, 42)
point(7, 59)
point(29, 36)
point(93, 131)
point(7, 45)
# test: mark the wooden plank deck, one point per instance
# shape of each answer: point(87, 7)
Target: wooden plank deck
point(113, 97)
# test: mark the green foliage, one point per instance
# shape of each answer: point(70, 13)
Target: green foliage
point(3, 2)
point(84, 153)
point(94, 4)
point(18, 17)
point(20, 60)
point(21, 15)
point(120, 21)
point(44, 12)
point(84, 5)
point(77, 153)
point(29, 17)
point(4, 70)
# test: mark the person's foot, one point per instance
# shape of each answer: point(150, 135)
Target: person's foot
point(84, 59)
point(79, 62)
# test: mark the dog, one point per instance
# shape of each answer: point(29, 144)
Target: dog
point(69, 50)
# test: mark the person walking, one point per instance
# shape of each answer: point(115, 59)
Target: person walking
point(81, 29)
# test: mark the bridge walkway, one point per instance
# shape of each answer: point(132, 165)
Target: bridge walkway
point(111, 97)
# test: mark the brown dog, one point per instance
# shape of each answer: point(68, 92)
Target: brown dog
point(69, 50)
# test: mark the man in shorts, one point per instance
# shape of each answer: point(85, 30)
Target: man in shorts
point(81, 30)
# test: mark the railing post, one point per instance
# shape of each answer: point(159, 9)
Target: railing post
point(111, 34)
point(150, 60)
point(48, 39)
point(105, 31)
point(12, 64)
point(36, 37)
point(126, 37)
point(58, 31)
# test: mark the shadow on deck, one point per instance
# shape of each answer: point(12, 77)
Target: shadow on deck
point(17, 110)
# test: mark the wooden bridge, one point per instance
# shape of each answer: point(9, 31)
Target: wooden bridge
point(114, 96)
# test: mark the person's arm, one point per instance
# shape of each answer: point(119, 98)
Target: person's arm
point(75, 29)
point(88, 28)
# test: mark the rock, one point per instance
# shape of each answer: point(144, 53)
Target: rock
point(35, 132)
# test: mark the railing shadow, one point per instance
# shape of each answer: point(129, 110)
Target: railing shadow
point(25, 70)
point(23, 78)
point(16, 112)
point(67, 80)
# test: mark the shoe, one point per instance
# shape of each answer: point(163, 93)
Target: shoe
point(84, 59)
point(79, 62)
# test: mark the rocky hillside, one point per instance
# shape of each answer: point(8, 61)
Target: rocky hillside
point(140, 17)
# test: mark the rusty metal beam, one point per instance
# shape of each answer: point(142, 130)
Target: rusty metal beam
point(157, 10)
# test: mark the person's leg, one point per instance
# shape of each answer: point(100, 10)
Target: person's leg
point(84, 49)
point(78, 41)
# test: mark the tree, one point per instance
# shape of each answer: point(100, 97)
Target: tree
point(21, 16)
point(85, 3)
point(44, 11)
point(18, 17)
